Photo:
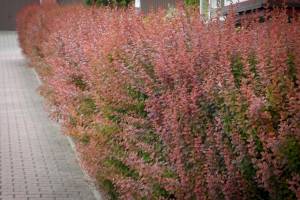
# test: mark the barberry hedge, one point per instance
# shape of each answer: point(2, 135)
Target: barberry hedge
point(172, 107)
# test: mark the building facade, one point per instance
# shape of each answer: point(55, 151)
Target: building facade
point(209, 8)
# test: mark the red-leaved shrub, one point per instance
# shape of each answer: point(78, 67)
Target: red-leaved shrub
point(166, 106)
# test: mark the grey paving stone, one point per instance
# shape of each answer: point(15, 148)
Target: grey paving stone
point(36, 160)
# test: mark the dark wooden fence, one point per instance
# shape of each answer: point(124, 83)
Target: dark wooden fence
point(69, 1)
point(8, 11)
point(150, 5)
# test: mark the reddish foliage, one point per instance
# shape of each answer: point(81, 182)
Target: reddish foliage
point(167, 106)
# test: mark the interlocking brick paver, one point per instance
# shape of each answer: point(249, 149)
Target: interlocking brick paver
point(36, 160)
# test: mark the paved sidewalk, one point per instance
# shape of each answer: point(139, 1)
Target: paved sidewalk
point(36, 160)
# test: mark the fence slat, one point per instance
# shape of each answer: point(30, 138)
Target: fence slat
point(153, 5)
